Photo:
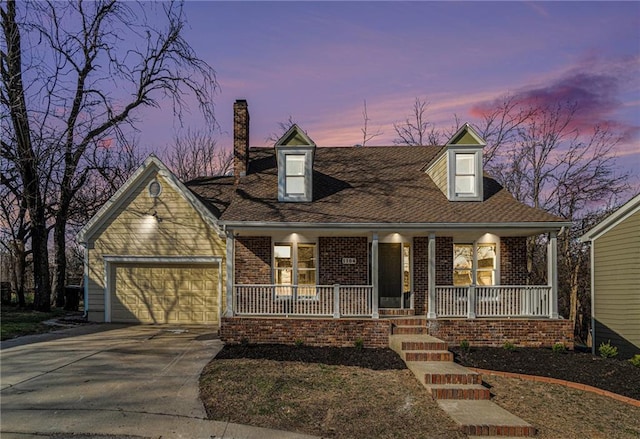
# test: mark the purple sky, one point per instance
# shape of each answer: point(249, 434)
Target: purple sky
point(318, 61)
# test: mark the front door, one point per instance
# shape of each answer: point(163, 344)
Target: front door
point(390, 275)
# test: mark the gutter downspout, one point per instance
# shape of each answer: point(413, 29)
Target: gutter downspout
point(85, 280)
point(593, 301)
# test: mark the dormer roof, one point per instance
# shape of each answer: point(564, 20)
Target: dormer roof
point(295, 136)
point(466, 135)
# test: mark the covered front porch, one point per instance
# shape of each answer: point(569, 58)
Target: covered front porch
point(339, 301)
point(469, 274)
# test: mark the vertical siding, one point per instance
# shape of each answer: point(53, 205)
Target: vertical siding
point(617, 283)
point(132, 231)
point(438, 173)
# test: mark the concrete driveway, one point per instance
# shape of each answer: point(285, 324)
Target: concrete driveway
point(115, 381)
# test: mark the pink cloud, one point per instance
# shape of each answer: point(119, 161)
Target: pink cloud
point(595, 95)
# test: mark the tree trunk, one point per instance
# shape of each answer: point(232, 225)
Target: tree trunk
point(60, 245)
point(42, 285)
point(18, 265)
point(27, 160)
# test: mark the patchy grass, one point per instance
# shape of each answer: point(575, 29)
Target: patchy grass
point(323, 400)
point(560, 412)
point(309, 391)
point(15, 322)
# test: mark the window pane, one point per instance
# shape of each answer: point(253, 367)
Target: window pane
point(295, 165)
point(282, 251)
point(461, 278)
point(465, 184)
point(486, 256)
point(295, 185)
point(485, 277)
point(306, 277)
point(284, 276)
point(462, 256)
point(306, 256)
point(465, 164)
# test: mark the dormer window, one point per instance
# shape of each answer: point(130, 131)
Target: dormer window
point(457, 170)
point(465, 175)
point(295, 152)
point(294, 174)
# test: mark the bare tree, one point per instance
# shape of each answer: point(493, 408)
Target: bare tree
point(103, 63)
point(197, 154)
point(416, 130)
point(548, 163)
point(366, 134)
point(19, 148)
point(14, 233)
point(283, 127)
point(499, 126)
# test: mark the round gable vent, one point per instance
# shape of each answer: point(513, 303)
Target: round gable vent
point(155, 188)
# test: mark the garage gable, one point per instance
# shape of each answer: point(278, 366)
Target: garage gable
point(152, 193)
point(154, 254)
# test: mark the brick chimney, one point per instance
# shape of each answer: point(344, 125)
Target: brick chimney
point(240, 139)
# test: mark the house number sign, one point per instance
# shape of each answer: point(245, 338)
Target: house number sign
point(348, 261)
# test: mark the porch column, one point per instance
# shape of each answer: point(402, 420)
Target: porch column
point(552, 274)
point(374, 274)
point(431, 274)
point(229, 267)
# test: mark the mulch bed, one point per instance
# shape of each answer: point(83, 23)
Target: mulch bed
point(618, 376)
point(370, 358)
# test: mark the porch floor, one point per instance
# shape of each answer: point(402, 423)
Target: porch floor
point(457, 390)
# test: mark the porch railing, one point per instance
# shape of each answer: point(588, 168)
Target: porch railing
point(304, 300)
point(494, 301)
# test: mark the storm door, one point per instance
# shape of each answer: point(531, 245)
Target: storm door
point(390, 275)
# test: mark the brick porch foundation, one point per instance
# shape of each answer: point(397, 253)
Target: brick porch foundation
point(374, 333)
point(495, 332)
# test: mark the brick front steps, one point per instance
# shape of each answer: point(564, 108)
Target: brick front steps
point(458, 390)
point(393, 312)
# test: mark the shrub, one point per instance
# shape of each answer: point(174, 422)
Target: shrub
point(509, 346)
point(465, 346)
point(635, 360)
point(299, 343)
point(558, 348)
point(607, 350)
point(359, 343)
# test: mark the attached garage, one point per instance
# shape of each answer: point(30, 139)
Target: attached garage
point(164, 291)
point(154, 253)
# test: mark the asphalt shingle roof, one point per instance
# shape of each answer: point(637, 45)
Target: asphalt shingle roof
point(360, 185)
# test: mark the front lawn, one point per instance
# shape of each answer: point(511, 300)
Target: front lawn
point(367, 393)
point(16, 322)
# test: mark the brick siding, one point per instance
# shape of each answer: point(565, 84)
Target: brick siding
point(331, 250)
point(312, 332)
point(513, 261)
point(253, 260)
point(420, 273)
point(520, 332)
point(444, 260)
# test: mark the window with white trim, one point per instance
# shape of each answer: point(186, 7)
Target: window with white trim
point(294, 267)
point(294, 174)
point(465, 174)
point(474, 260)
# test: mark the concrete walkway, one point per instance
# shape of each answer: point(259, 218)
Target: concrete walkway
point(114, 381)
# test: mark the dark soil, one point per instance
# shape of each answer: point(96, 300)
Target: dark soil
point(618, 376)
point(370, 358)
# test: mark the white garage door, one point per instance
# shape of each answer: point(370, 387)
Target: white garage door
point(165, 293)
